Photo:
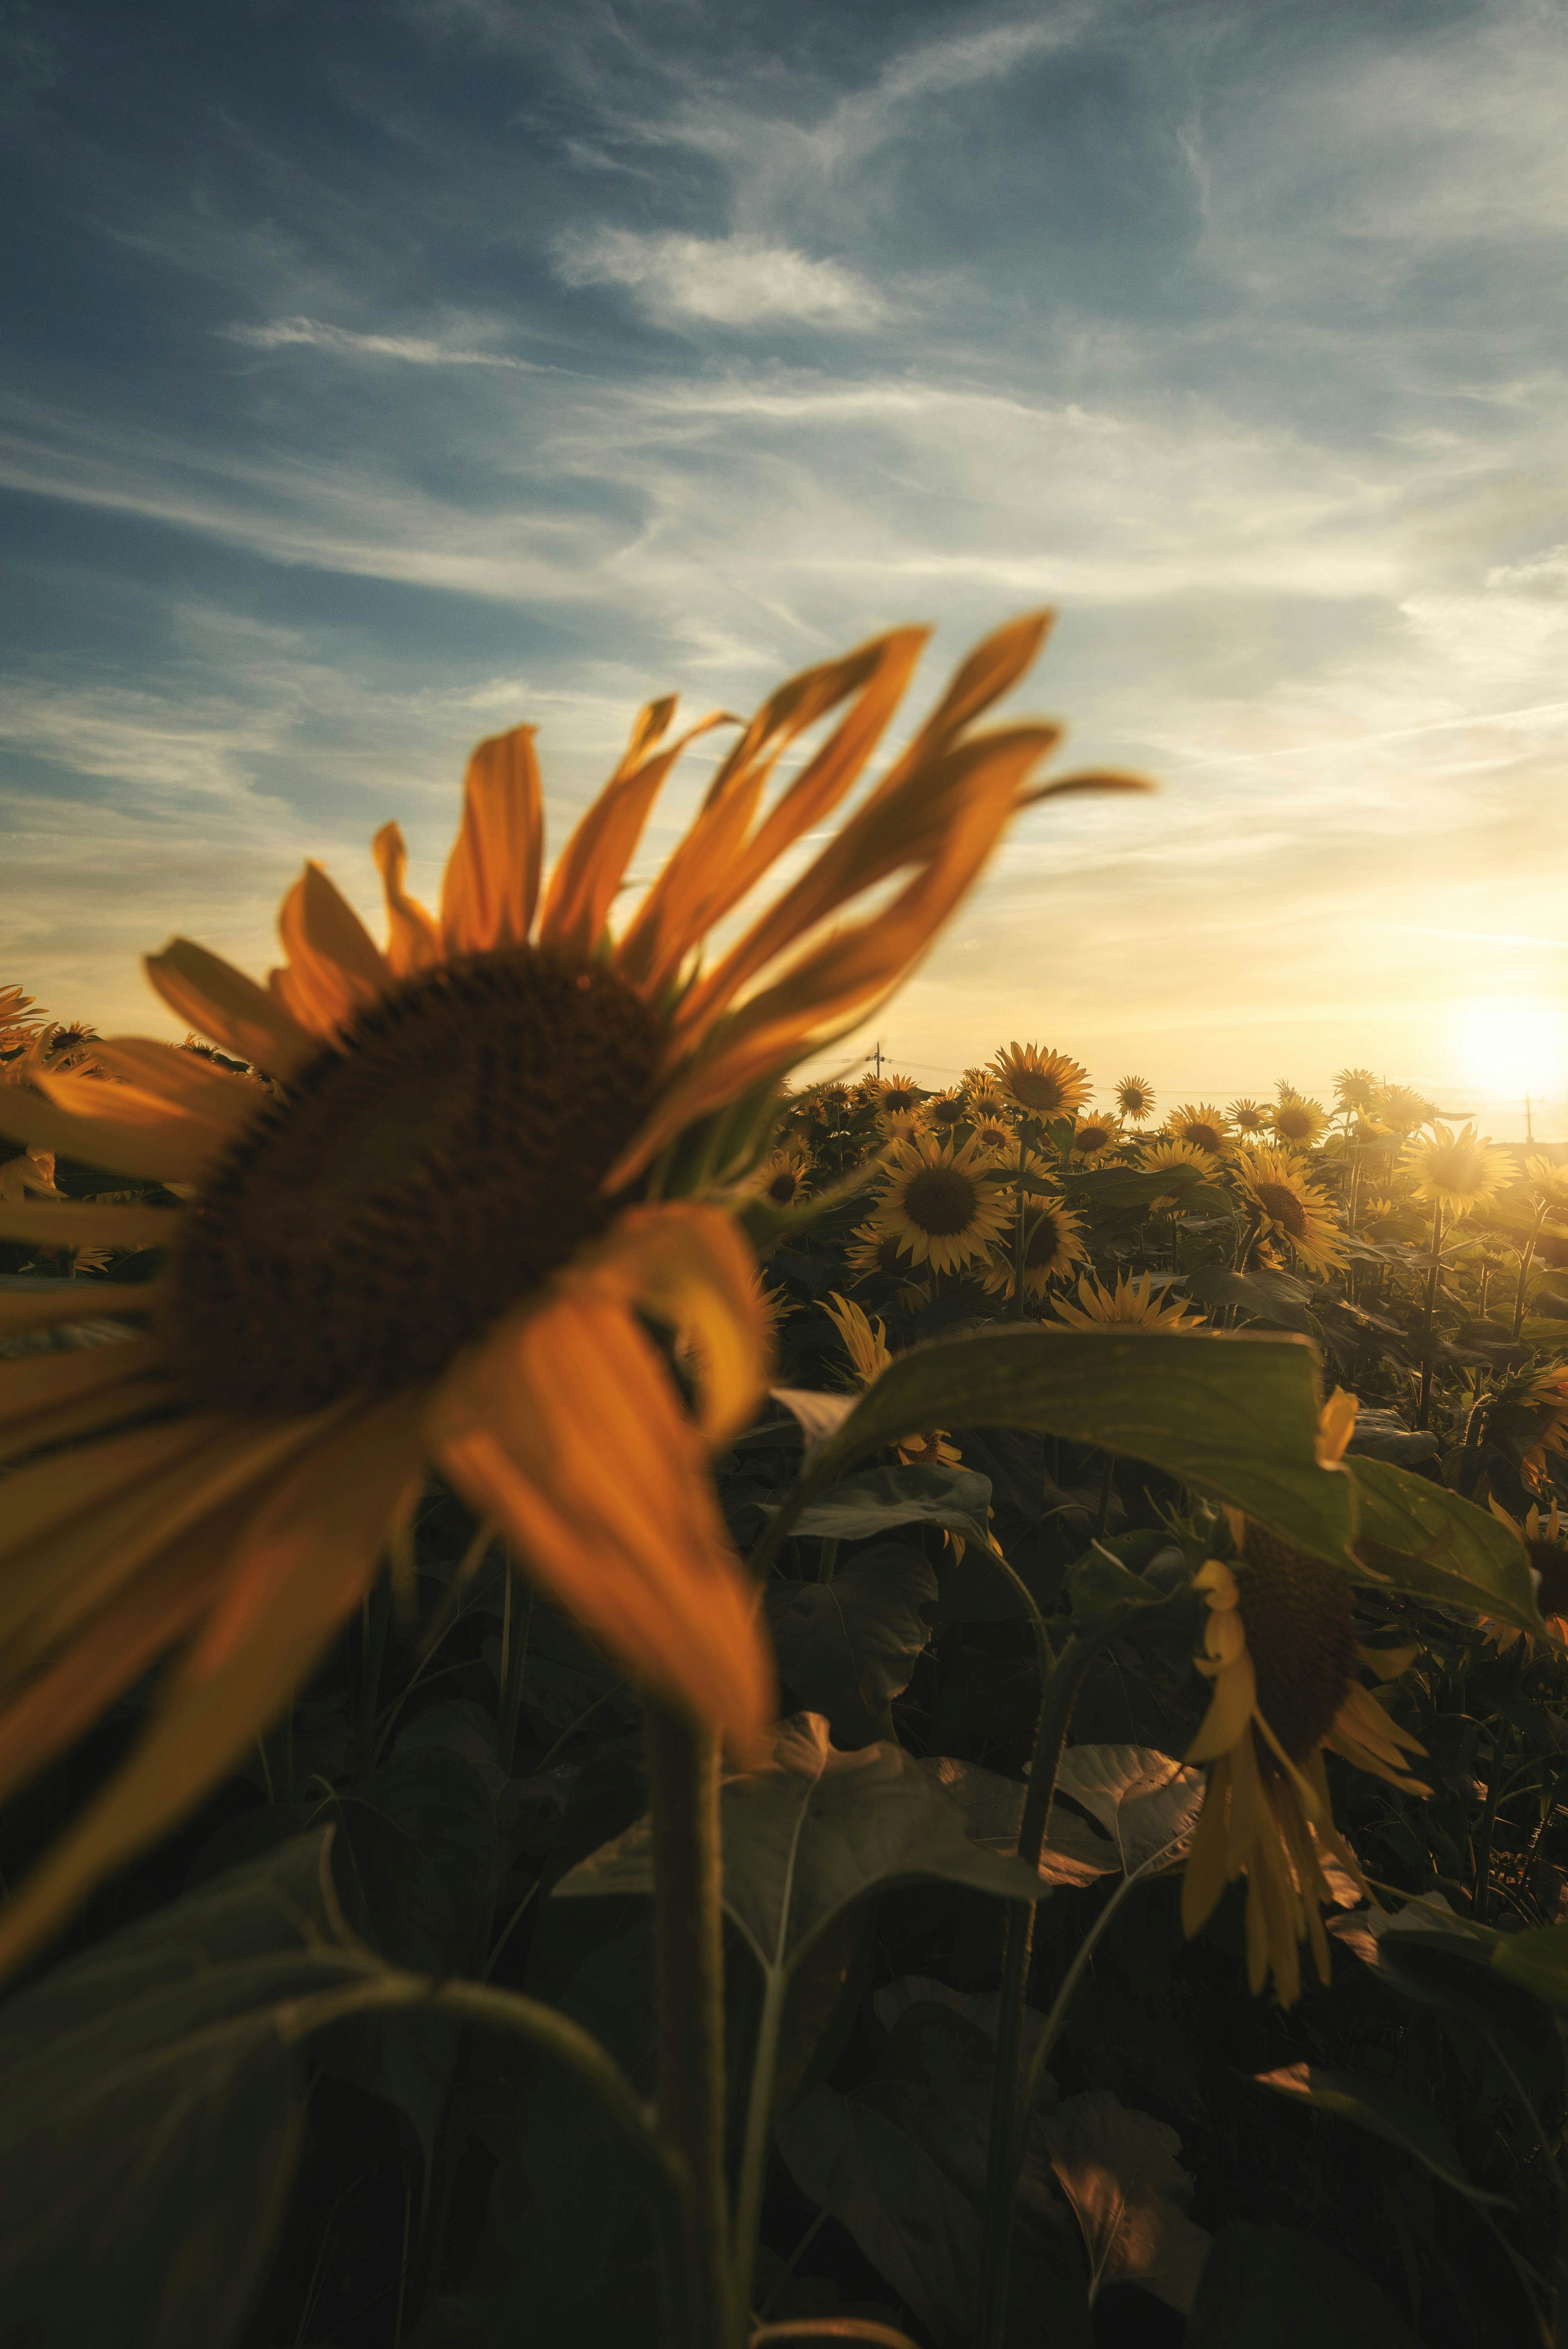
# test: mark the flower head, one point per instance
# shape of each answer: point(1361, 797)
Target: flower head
point(1053, 1241)
point(1356, 1088)
point(1548, 1184)
point(1130, 1305)
point(1280, 1649)
point(1296, 1120)
point(1040, 1083)
point(1290, 1207)
point(1541, 1538)
point(784, 1179)
point(496, 1144)
point(896, 1093)
point(1202, 1124)
point(865, 1342)
point(1093, 1134)
point(1457, 1171)
point(944, 1206)
point(1249, 1116)
point(1134, 1097)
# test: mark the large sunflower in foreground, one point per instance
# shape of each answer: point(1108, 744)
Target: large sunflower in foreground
point(1042, 1082)
point(941, 1206)
point(1457, 1171)
point(1289, 1207)
point(494, 1147)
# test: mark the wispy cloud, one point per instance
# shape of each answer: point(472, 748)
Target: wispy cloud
point(731, 281)
point(413, 350)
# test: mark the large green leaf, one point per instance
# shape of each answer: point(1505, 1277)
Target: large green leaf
point(151, 2117)
point(1261, 1296)
point(1118, 2168)
point(1234, 1415)
point(1423, 1538)
point(1383, 2110)
point(1287, 2288)
point(847, 1648)
point(819, 1830)
point(1143, 1799)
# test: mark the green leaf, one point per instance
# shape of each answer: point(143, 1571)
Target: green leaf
point(1234, 1415)
point(847, 1648)
point(1287, 2288)
point(150, 2119)
point(1142, 1799)
point(1423, 1538)
point(1537, 1959)
point(993, 1806)
point(1102, 1592)
point(1383, 2110)
point(1121, 1189)
point(819, 1830)
point(1118, 2169)
point(1261, 1296)
point(882, 1498)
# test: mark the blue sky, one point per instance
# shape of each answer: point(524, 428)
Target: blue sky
point(379, 375)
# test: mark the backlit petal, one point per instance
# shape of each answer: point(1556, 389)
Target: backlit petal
point(690, 1266)
point(220, 1002)
point(413, 936)
point(335, 968)
point(492, 875)
point(593, 862)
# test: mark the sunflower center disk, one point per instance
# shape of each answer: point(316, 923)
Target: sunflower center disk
point(940, 1201)
point(1295, 1611)
point(413, 1183)
point(1283, 1207)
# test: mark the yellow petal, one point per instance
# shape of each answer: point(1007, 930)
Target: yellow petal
point(1206, 1873)
point(413, 936)
point(218, 1001)
point(185, 1080)
point(334, 969)
point(295, 1573)
point(113, 1126)
point(492, 875)
point(1215, 1577)
point(593, 862)
point(565, 1428)
point(31, 1383)
point(690, 1266)
point(1231, 1709)
point(91, 1302)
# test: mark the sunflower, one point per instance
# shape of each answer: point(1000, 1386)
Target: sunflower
point(1281, 1650)
point(894, 1093)
point(1356, 1088)
point(1043, 1083)
point(944, 1206)
point(1290, 1207)
point(1202, 1124)
point(20, 1020)
point(1401, 1110)
point(1542, 1545)
point(782, 1182)
point(1296, 1120)
point(987, 1102)
point(1548, 1184)
point(996, 1135)
point(1547, 1394)
point(944, 1112)
point(865, 1342)
point(1135, 1098)
point(1129, 1305)
point(436, 1247)
point(1156, 1156)
point(1455, 1173)
point(872, 1251)
point(1093, 1135)
point(1248, 1116)
point(1053, 1242)
point(901, 1124)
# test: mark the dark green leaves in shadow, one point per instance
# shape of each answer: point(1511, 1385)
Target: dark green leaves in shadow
point(847, 1648)
point(1423, 1538)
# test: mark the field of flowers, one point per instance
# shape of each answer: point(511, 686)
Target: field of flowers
point(642, 1704)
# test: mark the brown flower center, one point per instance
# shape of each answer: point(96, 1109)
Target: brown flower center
point(940, 1201)
point(899, 1097)
point(1550, 1563)
point(783, 1186)
point(412, 1184)
point(1203, 1136)
point(1295, 1611)
point(892, 1258)
point(1281, 1206)
point(1044, 1242)
point(1091, 1138)
point(1295, 1124)
point(1039, 1089)
point(1459, 1168)
point(948, 1112)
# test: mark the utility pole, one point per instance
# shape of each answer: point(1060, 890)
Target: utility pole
point(1529, 1129)
point(879, 1056)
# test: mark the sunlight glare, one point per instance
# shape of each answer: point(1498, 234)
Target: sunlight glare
point(1511, 1047)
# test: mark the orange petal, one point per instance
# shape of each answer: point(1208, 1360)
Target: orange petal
point(184, 1079)
point(210, 995)
point(79, 1224)
point(102, 1300)
point(335, 968)
point(413, 936)
point(42, 1500)
point(593, 862)
point(294, 1574)
point(690, 1266)
point(116, 1126)
point(492, 875)
point(566, 1429)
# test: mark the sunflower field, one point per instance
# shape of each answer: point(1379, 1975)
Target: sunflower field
point(646, 1702)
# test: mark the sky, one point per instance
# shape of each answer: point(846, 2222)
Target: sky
point(377, 376)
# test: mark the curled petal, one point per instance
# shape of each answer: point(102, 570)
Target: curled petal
point(690, 1268)
point(413, 936)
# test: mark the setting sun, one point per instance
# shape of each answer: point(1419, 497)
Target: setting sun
point(1511, 1047)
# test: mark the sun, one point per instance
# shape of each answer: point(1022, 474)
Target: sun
point(1513, 1047)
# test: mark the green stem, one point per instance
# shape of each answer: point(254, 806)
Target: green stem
point(514, 1663)
point(1057, 1704)
point(1524, 1264)
point(688, 1957)
point(1103, 1514)
point(1432, 1278)
point(759, 2136)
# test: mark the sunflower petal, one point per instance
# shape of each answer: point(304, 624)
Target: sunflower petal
point(111, 1125)
point(79, 1224)
point(690, 1268)
point(185, 1080)
point(294, 1573)
point(103, 1299)
point(593, 862)
point(525, 1430)
point(334, 968)
point(1207, 1873)
point(210, 995)
point(43, 1498)
point(492, 875)
point(413, 936)
point(1231, 1708)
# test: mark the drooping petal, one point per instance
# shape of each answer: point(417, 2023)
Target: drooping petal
point(1229, 1711)
point(78, 1224)
point(335, 968)
point(186, 1081)
point(45, 1498)
point(593, 862)
point(218, 1001)
point(297, 1569)
point(1207, 1872)
point(690, 1268)
point(566, 1429)
point(112, 1125)
point(31, 1386)
point(413, 936)
point(492, 875)
point(104, 1300)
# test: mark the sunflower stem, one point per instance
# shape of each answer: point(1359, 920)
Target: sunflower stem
point(1057, 1704)
point(688, 1938)
point(514, 1662)
point(1103, 1515)
point(1432, 1278)
point(1524, 1264)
